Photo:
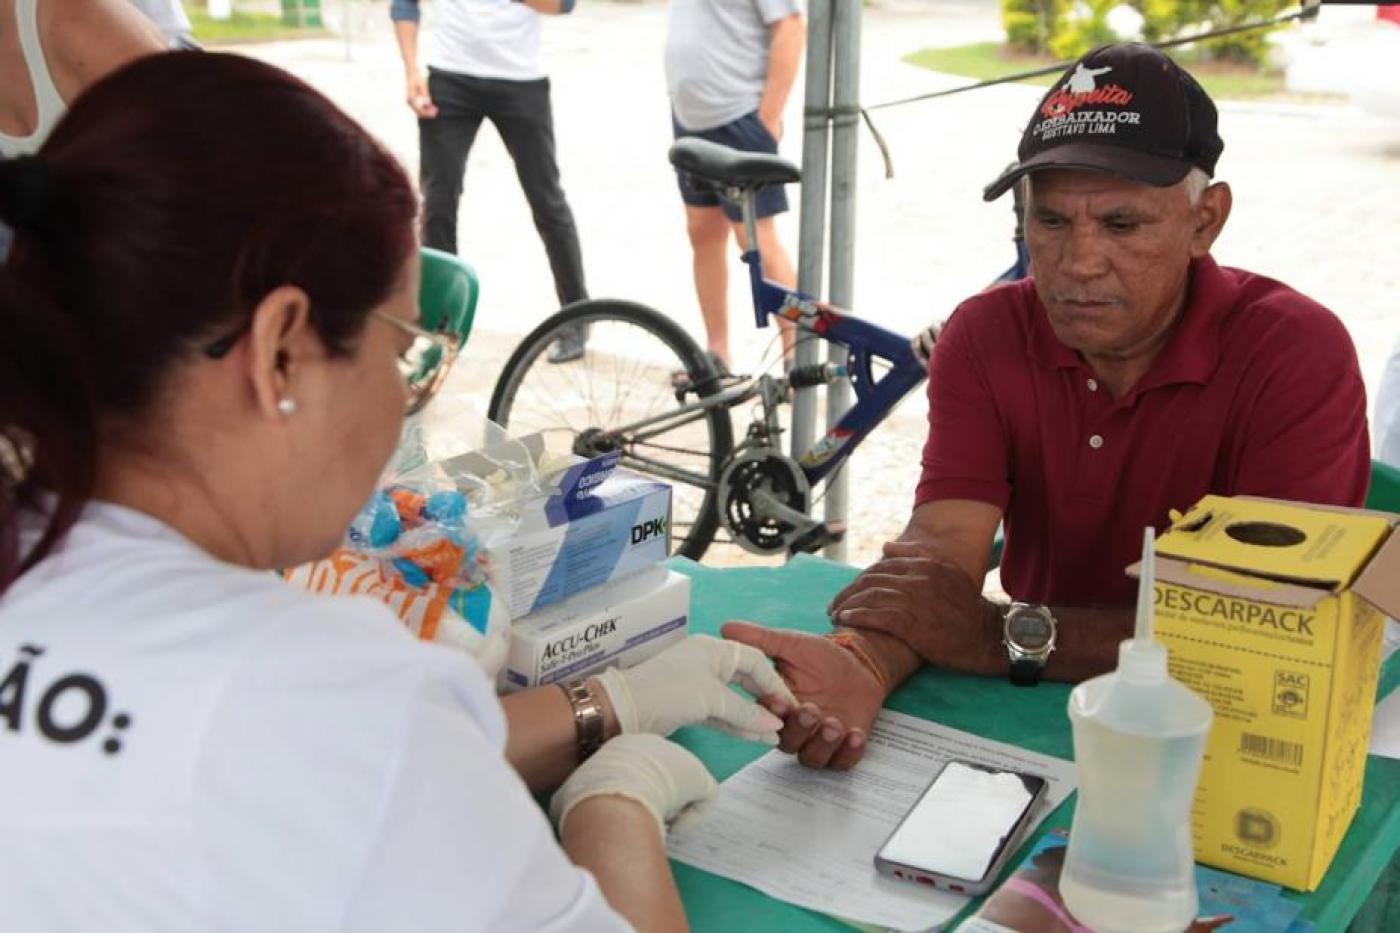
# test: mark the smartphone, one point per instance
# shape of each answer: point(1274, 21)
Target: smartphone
point(963, 827)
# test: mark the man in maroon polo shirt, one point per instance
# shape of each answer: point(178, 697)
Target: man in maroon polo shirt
point(1130, 376)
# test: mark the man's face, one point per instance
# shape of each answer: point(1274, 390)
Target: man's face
point(1110, 256)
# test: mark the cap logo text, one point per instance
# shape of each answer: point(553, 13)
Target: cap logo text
point(1083, 89)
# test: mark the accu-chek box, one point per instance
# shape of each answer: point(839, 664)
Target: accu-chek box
point(618, 624)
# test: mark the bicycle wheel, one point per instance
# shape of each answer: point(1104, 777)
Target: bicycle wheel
point(635, 359)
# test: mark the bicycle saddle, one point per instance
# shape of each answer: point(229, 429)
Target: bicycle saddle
point(729, 166)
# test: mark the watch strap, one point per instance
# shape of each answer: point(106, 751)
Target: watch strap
point(588, 716)
point(1026, 672)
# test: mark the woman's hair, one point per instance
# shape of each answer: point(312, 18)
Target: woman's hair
point(168, 202)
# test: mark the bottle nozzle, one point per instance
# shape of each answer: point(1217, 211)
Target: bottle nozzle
point(1141, 658)
point(1143, 630)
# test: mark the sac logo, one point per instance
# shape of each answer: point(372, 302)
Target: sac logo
point(1291, 694)
point(648, 530)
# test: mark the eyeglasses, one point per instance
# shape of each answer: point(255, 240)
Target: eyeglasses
point(427, 360)
point(424, 364)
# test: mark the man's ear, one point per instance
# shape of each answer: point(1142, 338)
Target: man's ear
point(1210, 214)
point(281, 341)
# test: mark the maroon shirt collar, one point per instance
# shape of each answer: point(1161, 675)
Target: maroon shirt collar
point(1192, 354)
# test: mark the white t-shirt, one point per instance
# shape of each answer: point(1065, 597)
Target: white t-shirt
point(1386, 435)
point(717, 57)
point(188, 745)
point(485, 39)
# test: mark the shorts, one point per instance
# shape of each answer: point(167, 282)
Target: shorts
point(747, 134)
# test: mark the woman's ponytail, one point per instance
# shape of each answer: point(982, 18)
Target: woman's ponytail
point(48, 414)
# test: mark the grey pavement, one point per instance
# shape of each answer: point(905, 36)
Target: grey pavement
point(1315, 188)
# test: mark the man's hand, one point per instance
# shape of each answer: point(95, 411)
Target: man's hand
point(922, 343)
point(419, 100)
point(929, 604)
point(838, 695)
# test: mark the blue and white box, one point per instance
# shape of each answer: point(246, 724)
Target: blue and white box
point(620, 624)
point(594, 523)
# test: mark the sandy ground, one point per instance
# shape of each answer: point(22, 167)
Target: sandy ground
point(1315, 187)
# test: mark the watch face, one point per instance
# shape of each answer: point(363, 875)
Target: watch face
point(1029, 631)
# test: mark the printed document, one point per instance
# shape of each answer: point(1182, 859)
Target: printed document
point(809, 837)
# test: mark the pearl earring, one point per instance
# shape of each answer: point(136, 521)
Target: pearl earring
point(286, 406)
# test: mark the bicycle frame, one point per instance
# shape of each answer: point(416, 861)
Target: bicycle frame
point(864, 342)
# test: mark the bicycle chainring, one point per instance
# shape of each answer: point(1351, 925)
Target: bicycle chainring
point(774, 473)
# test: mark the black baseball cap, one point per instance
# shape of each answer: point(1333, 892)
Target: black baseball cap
point(1125, 109)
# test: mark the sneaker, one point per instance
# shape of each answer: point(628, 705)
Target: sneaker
point(569, 346)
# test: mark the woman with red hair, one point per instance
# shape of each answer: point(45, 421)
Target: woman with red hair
point(205, 322)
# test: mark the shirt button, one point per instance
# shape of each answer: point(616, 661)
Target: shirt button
point(1093, 385)
point(1096, 442)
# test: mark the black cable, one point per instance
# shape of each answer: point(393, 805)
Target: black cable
point(1308, 10)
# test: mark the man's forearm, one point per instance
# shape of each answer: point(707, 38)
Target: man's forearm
point(1086, 644)
point(788, 37)
point(1086, 641)
point(896, 660)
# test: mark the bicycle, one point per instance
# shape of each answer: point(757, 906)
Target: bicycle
point(646, 412)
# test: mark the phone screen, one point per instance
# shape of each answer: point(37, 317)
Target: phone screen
point(963, 821)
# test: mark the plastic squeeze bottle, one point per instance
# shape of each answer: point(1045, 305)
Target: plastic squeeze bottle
point(1138, 740)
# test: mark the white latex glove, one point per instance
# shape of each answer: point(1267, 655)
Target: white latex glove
point(923, 342)
point(660, 775)
point(689, 683)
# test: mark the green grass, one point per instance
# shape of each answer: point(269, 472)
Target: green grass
point(245, 27)
point(983, 60)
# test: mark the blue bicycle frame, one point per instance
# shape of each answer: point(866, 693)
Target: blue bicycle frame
point(864, 342)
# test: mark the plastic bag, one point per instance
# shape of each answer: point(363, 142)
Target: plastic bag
point(422, 543)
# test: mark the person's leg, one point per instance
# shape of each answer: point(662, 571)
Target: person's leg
point(748, 134)
point(708, 230)
point(443, 144)
point(524, 118)
point(526, 124)
point(777, 268)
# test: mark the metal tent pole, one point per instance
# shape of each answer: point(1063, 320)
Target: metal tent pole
point(811, 243)
point(845, 130)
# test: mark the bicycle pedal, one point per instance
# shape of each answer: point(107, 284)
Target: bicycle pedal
point(682, 385)
point(817, 537)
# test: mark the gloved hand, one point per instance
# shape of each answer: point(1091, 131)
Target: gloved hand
point(923, 342)
point(689, 683)
point(660, 775)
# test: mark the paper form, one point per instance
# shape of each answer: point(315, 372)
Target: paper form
point(809, 837)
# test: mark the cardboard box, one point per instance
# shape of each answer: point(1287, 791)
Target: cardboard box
point(618, 624)
point(593, 524)
point(1272, 612)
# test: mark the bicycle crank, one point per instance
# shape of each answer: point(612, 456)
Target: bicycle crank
point(764, 497)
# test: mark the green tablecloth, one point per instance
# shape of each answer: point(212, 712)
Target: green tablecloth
point(795, 596)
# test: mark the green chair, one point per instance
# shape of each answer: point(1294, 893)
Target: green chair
point(447, 294)
point(1384, 493)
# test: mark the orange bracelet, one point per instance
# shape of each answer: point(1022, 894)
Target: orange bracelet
point(857, 646)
